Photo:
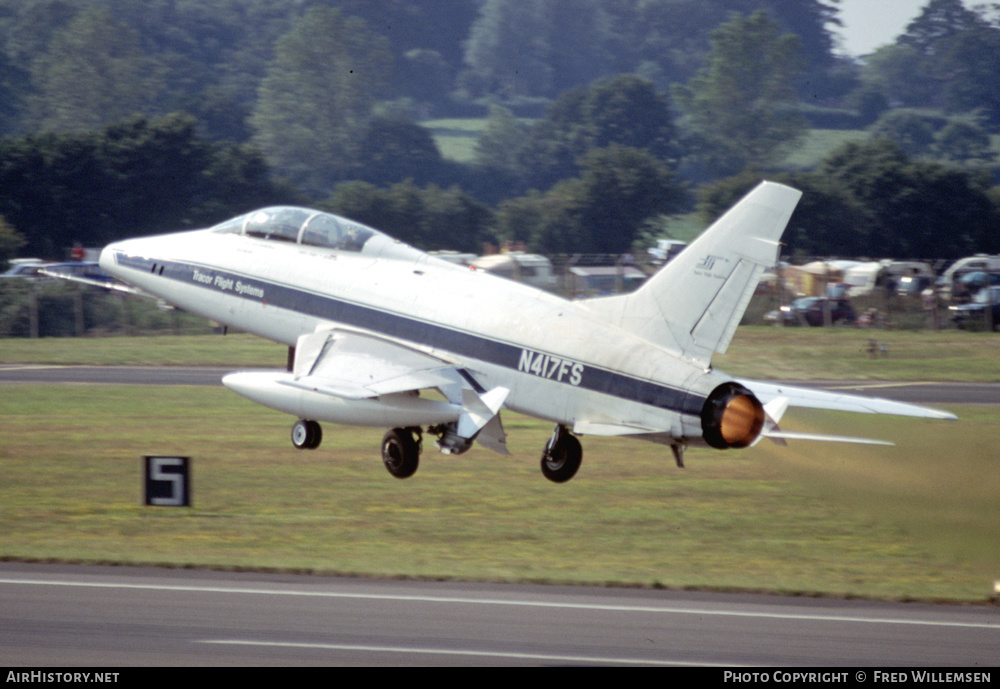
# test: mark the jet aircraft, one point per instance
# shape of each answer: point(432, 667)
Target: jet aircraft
point(382, 334)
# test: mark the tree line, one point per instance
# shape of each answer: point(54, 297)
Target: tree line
point(90, 62)
point(601, 114)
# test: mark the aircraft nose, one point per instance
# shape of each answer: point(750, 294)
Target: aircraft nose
point(109, 258)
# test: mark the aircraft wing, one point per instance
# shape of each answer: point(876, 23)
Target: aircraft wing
point(356, 366)
point(113, 285)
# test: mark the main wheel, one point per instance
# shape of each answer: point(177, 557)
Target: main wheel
point(306, 435)
point(562, 457)
point(400, 453)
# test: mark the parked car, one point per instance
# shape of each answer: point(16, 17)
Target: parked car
point(665, 250)
point(974, 313)
point(810, 311)
point(530, 268)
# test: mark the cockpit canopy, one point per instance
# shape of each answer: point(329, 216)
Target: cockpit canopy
point(301, 226)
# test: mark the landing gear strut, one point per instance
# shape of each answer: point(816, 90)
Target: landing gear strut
point(401, 451)
point(306, 435)
point(562, 456)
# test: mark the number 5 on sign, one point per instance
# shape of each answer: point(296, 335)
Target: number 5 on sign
point(168, 481)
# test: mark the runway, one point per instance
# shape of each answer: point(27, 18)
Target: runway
point(52, 615)
point(916, 392)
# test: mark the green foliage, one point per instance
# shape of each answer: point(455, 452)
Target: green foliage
point(897, 73)
point(534, 49)
point(94, 72)
point(665, 40)
point(428, 218)
point(394, 150)
point(136, 177)
point(427, 44)
point(10, 241)
point(628, 111)
point(917, 209)
point(620, 111)
point(913, 132)
point(307, 81)
point(956, 142)
point(948, 58)
point(619, 189)
point(14, 84)
point(967, 73)
point(601, 211)
point(940, 20)
point(424, 77)
point(964, 143)
point(316, 100)
point(870, 199)
point(741, 105)
point(499, 143)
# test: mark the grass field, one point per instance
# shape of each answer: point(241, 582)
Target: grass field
point(915, 521)
point(756, 351)
point(820, 143)
point(456, 139)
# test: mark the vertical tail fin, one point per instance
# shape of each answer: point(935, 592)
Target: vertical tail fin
point(694, 303)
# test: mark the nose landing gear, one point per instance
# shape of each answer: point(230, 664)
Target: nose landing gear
point(306, 435)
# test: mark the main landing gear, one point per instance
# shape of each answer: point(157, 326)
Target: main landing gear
point(401, 448)
point(562, 455)
point(401, 451)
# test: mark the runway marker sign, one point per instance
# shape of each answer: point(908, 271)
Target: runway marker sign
point(168, 481)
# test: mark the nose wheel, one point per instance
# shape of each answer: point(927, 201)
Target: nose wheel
point(306, 435)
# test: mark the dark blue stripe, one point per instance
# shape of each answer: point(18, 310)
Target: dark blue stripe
point(405, 328)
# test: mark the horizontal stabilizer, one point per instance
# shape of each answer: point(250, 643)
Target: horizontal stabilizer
point(821, 399)
point(791, 435)
point(778, 398)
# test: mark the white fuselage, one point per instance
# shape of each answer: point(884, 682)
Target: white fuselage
point(559, 360)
